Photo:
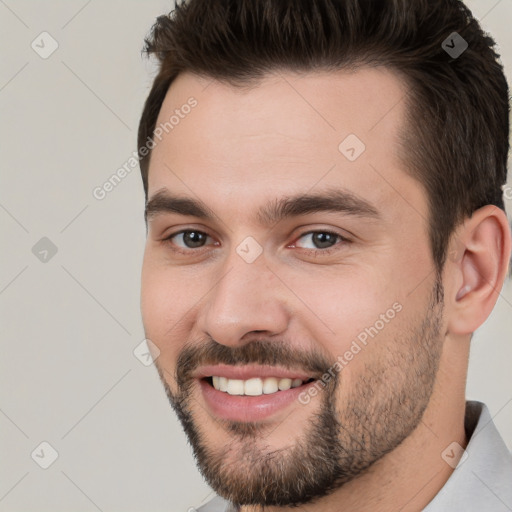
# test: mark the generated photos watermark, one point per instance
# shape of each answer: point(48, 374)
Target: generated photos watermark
point(358, 344)
point(101, 191)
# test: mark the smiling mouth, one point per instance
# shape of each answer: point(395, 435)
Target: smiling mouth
point(255, 386)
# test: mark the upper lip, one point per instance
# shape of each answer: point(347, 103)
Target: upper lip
point(249, 371)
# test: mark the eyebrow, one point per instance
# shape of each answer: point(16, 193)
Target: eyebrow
point(332, 200)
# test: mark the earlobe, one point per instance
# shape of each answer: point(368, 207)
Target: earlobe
point(484, 244)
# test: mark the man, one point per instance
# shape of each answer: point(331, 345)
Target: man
point(326, 230)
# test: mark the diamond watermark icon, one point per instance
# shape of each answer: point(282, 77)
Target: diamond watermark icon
point(454, 45)
point(454, 455)
point(44, 455)
point(44, 250)
point(352, 147)
point(146, 352)
point(249, 249)
point(44, 45)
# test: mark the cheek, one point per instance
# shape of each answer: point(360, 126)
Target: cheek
point(155, 299)
point(342, 303)
point(163, 306)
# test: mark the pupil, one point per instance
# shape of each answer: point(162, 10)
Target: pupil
point(193, 239)
point(322, 240)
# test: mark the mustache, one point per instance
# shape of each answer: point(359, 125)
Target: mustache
point(272, 353)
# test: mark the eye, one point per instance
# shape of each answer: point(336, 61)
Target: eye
point(316, 240)
point(188, 239)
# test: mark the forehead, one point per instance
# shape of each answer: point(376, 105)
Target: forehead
point(287, 134)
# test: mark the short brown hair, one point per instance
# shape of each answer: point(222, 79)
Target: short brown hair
point(456, 138)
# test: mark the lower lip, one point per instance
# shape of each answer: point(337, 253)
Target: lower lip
point(249, 408)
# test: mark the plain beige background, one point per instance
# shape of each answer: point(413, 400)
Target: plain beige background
point(70, 323)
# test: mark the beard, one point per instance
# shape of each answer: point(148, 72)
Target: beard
point(377, 411)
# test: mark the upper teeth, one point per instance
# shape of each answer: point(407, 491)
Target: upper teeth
point(255, 386)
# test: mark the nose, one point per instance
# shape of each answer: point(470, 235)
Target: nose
point(247, 299)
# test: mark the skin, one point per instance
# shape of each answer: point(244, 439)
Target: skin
point(238, 150)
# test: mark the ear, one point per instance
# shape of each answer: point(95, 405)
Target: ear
point(479, 256)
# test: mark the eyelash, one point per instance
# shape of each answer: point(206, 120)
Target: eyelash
point(340, 240)
point(325, 251)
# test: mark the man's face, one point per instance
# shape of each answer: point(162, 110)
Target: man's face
point(306, 258)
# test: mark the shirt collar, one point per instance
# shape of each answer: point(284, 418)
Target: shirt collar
point(482, 480)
